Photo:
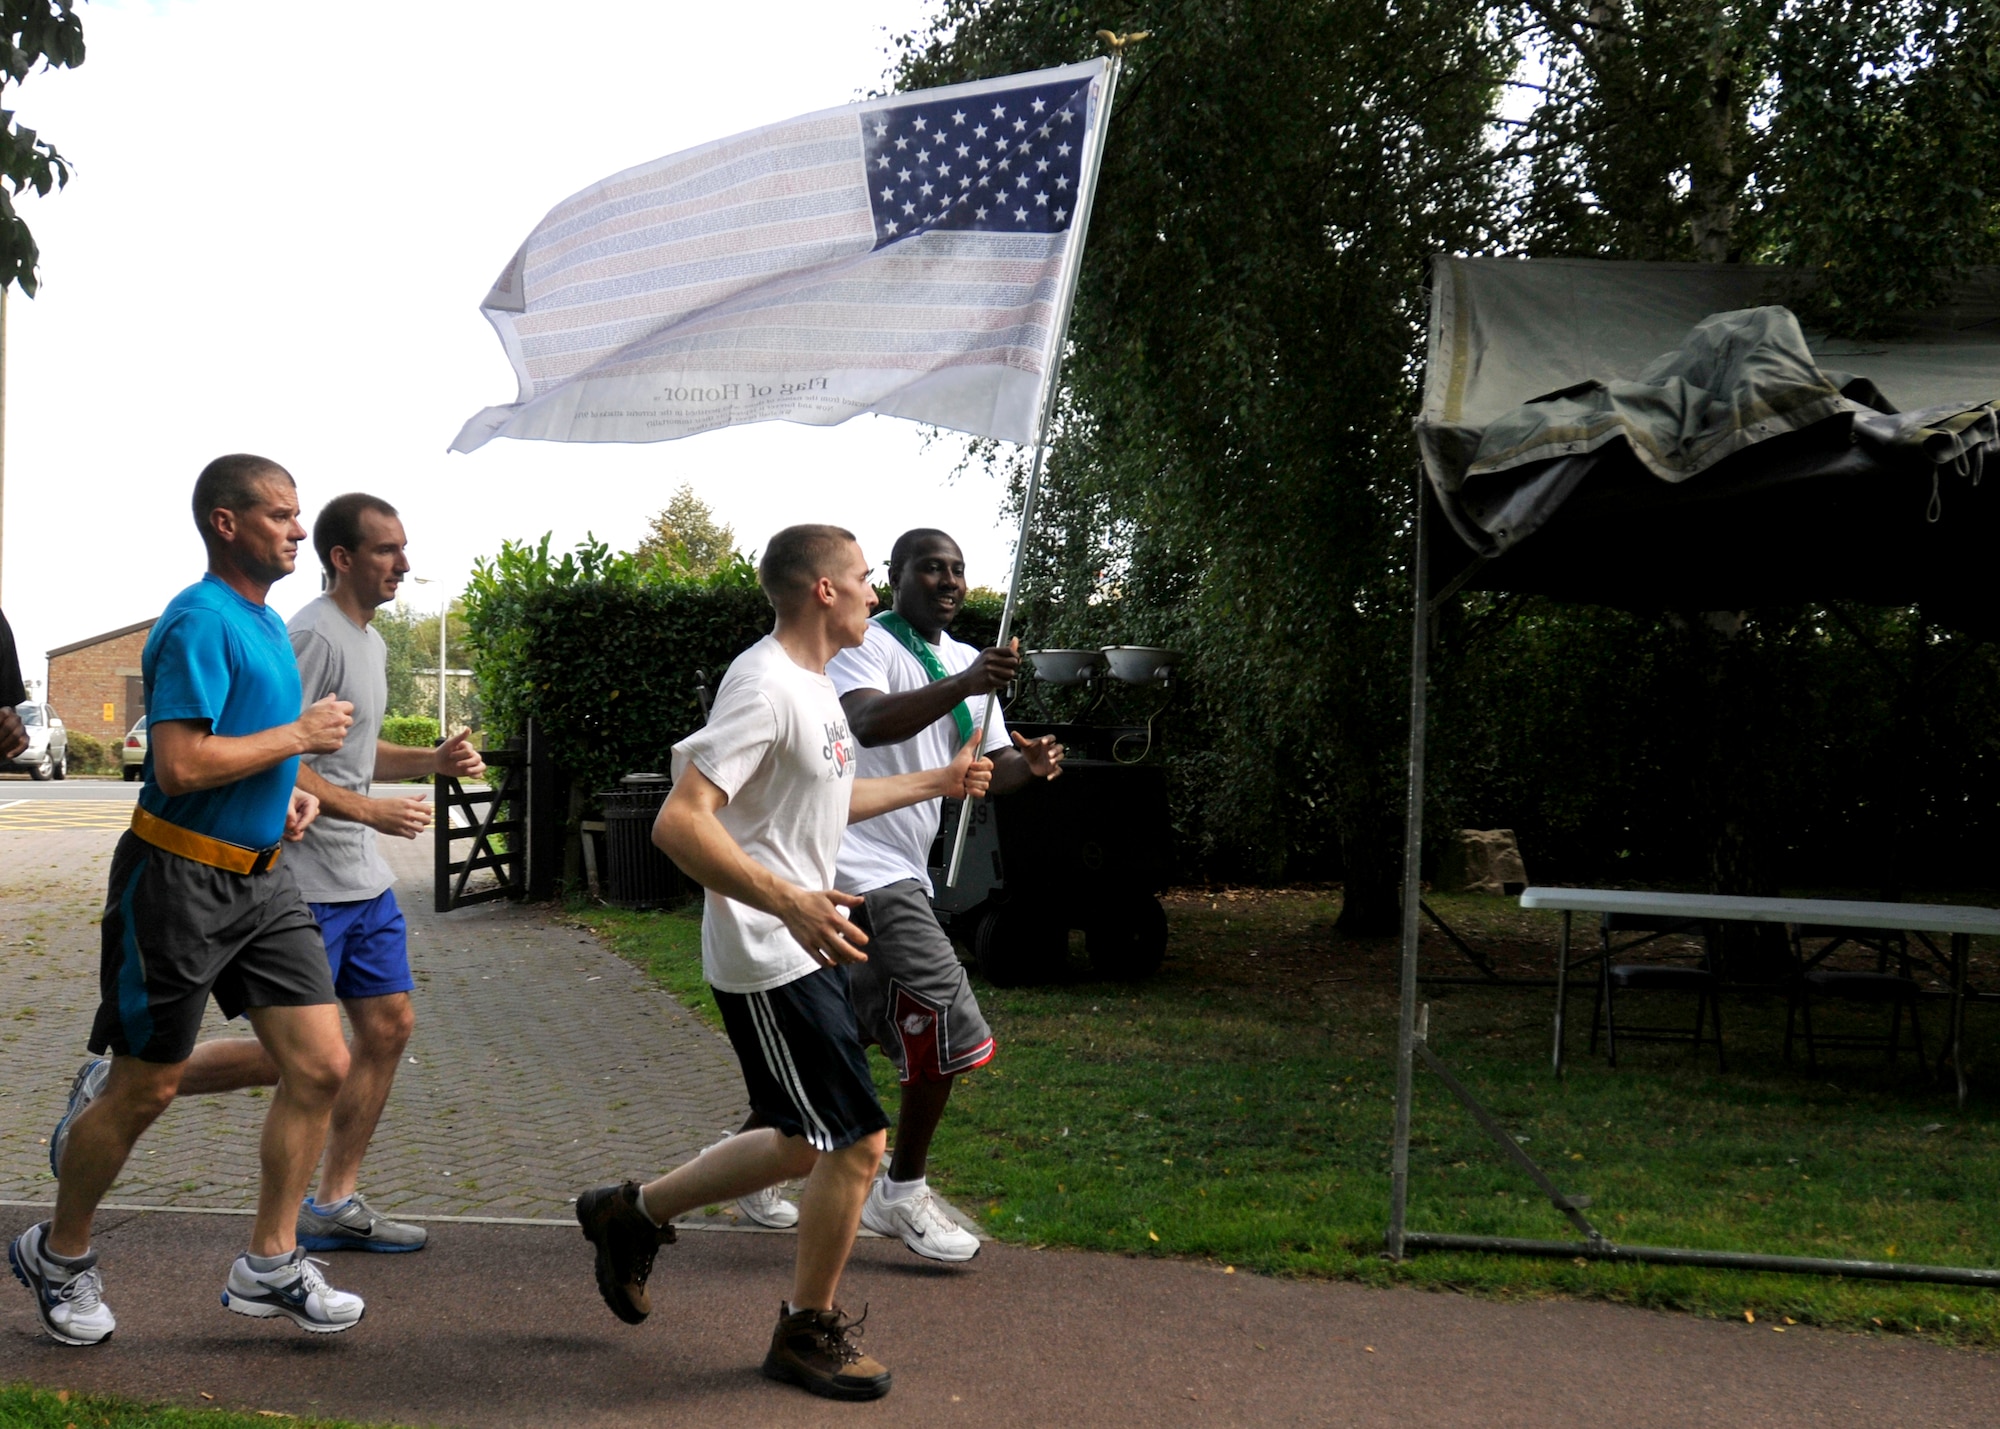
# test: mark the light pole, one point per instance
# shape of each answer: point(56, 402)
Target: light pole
point(444, 625)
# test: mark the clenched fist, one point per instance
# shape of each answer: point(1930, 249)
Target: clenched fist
point(323, 727)
point(401, 818)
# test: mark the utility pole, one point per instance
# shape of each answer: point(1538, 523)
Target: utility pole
point(3, 436)
point(444, 626)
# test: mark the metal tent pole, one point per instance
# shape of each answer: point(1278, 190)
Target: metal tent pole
point(1080, 228)
point(1413, 845)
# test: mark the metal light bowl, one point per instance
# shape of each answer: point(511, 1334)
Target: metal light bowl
point(1065, 667)
point(1141, 664)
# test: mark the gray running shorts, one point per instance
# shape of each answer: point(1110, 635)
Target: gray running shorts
point(176, 931)
point(911, 998)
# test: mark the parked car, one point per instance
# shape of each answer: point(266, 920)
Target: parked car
point(47, 754)
point(133, 755)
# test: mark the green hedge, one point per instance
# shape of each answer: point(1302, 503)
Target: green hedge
point(602, 652)
point(411, 731)
point(90, 755)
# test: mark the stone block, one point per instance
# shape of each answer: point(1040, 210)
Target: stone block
point(1481, 861)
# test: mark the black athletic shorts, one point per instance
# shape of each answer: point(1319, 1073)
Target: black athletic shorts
point(803, 1060)
point(176, 931)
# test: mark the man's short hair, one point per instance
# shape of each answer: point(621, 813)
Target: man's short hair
point(230, 484)
point(796, 557)
point(339, 524)
point(906, 547)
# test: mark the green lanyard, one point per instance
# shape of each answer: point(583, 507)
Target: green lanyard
point(927, 657)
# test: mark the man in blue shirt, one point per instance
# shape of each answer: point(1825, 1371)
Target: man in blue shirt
point(201, 904)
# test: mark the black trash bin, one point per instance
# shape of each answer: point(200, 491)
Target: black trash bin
point(636, 874)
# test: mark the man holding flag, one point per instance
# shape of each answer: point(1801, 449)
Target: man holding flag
point(910, 692)
point(762, 793)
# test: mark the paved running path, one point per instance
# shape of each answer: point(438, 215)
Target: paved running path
point(498, 1326)
point(544, 1063)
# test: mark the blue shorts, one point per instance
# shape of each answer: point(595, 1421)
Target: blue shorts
point(367, 946)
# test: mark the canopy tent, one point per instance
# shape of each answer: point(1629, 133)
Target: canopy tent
point(1666, 436)
point(1663, 435)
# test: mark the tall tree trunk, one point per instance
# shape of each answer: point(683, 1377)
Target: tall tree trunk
point(1731, 789)
point(1714, 184)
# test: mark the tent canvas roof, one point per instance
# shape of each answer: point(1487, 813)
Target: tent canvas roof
point(1813, 510)
point(1504, 330)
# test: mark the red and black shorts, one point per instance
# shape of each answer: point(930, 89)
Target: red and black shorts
point(912, 998)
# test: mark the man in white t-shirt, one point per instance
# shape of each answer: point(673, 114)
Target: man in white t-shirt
point(762, 794)
point(912, 694)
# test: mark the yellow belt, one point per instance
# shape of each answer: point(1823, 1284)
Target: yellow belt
point(200, 847)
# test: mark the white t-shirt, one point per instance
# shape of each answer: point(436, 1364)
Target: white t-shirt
point(776, 743)
point(893, 846)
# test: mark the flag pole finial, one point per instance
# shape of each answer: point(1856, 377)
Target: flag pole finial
point(1119, 42)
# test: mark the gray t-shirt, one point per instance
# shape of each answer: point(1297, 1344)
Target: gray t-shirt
point(338, 861)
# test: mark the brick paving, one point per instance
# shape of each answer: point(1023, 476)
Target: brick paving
point(541, 1062)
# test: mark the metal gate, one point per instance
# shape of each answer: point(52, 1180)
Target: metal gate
point(517, 826)
point(494, 820)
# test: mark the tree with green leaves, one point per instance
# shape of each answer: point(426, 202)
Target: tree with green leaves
point(1849, 139)
point(686, 539)
point(1230, 462)
point(35, 32)
point(397, 625)
point(1231, 471)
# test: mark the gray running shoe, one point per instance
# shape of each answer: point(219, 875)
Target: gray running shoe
point(356, 1226)
point(71, 1307)
point(295, 1290)
point(83, 1091)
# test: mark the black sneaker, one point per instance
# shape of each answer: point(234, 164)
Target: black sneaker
point(626, 1242)
point(815, 1350)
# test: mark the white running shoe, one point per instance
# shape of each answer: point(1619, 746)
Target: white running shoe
point(295, 1290)
point(917, 1221)
point(71, 1306)
point(766, 1207)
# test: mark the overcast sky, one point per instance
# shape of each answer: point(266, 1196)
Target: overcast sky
point(282, 221)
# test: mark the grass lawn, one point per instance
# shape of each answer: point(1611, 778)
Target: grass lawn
point(1237, 1108)
point(26, 1407)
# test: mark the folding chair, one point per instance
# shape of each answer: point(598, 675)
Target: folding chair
point(1811, 979)
point(1616, 977)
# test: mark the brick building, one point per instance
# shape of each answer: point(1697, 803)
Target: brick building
point(94, 684)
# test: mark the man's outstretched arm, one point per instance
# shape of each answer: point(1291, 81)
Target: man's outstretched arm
point(967, 776)
point(688, 832)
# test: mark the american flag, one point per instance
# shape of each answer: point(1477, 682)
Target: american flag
point(904, 256)
point(1005, 163)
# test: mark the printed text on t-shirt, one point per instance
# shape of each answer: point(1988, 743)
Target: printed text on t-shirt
point(837, 749)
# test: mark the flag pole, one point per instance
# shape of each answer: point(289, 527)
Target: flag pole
point(1046, 411)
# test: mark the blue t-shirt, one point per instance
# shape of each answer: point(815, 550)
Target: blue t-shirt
point(215, 657)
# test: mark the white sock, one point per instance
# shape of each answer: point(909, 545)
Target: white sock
point(65, 1266)
point(893, 1191)
point(332, 1208)
point(641, 1199)
point(268, 1264)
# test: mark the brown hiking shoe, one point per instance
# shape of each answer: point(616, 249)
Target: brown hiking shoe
point(813, 1349)
point(626, 1243)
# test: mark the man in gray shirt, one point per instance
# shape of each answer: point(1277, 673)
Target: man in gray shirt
point(342, 873)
